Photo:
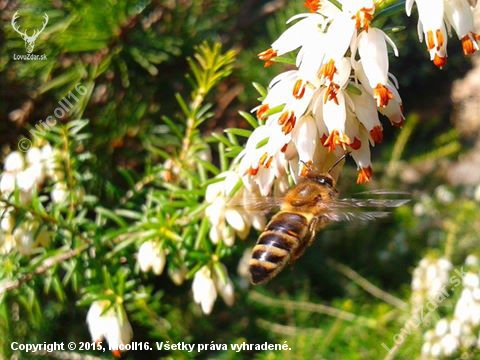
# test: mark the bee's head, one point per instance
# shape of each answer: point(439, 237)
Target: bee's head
point(309, 172)
point(324, 179)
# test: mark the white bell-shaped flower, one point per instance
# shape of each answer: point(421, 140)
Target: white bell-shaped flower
point(14, 162)
point(151, 257)
point(111, 325)
point(204, 291)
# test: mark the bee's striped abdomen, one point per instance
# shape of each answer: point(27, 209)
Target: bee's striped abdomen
point(282, 237)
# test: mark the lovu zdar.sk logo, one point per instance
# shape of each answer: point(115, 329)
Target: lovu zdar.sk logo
point(29, 39)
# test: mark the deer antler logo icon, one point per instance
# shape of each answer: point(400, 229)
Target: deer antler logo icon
point(29, 40)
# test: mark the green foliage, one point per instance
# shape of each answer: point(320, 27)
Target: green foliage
point(152, 124)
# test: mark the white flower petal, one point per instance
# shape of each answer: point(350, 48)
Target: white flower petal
point(158, 261)
point(334, 115)
point(304, 137)
point(204, 291)
point(409, 6)
point(235, 220)
point(14, 162)
point(295, 35)
point(7, 183)
point(59, 193)
point(227, 292)
point(34, 156)
point(362, 155)
point(258, 221)
point(430, 13)
point(94, 321)
point(460, 16)
point(215, 234)
point(365, 109)
point(344, 69)
point(145, 256)
point(373, 52)
point(118, 331)
point(339, 36)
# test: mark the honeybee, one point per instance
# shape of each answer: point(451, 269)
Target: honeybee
point(306, 208)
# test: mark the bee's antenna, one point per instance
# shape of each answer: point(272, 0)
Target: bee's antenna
point(338, 162)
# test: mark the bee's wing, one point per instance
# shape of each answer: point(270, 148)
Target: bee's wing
point(360, 209)
point(257, 204)
point(349, 215)
point(366, 203)
point(384, 192)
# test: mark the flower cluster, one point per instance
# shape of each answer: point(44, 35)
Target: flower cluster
point(444, 340)
point(451, 335)
point(437, 18)
point(208, 282)
point(26, 174)
point(225, 213)
point(328, 105)
point(428, 205)
point(467, 309)
point(23, 238)
point(111, 325)
point(429, 279)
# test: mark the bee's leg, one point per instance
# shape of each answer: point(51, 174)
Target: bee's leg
point(312, 230)
point(317, 224)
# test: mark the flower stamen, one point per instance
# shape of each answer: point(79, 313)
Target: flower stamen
point(363, 18)
point(262, 110)
point(312, 5)
point(267, 56)
point(306, 168)
point(263, 158)
point(284, 117)
point(430, 41)
point(382, 95)
point(469, 43)
point(331, 93)
point(288, 127)
point(269, 162)
point(439, 61)
point(335, 139)
point(364, 175)
point(440, 39)
point(287, 120)
point(299, 89)
point(328, 70)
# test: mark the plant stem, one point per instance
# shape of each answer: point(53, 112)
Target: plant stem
point(367, 285)
point(311, 307)
point(8, 285)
